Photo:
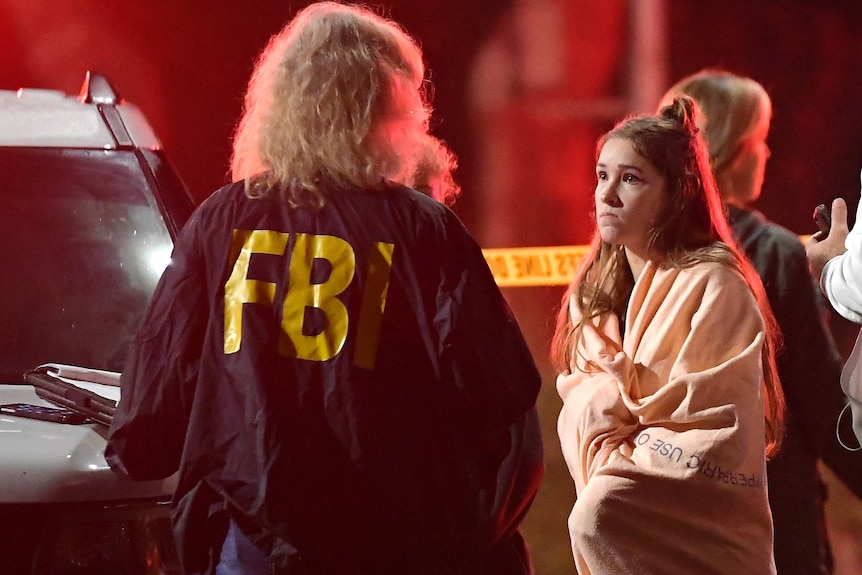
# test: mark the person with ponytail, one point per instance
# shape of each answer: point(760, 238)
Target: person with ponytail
point(665, 348)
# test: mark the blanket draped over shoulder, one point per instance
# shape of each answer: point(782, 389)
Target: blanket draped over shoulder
point(664, 435)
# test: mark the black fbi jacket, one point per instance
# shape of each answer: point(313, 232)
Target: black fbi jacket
point(347, 383)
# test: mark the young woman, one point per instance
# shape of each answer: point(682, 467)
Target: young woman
point(665, 348)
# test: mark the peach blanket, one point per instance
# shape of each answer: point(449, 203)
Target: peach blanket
point(666, 441)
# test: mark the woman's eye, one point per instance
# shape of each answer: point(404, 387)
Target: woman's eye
point(602, 175)
point(630, 179)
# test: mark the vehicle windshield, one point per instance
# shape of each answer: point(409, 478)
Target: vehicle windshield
point(83, 245)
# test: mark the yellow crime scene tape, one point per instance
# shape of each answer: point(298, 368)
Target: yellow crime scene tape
point(540, 266)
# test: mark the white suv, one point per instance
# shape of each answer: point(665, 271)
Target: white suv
point(89, 207)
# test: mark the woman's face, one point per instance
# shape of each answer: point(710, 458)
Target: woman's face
point(630, 195)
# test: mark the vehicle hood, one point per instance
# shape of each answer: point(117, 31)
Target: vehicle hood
point(43, 461)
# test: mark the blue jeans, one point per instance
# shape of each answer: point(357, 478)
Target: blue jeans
point(239, 556)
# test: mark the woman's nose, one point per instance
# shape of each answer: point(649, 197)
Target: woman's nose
point(606, 192)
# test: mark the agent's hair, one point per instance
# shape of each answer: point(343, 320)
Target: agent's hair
point(434, 172)
point(691, 229)
point(320, 92)
point(734, 109)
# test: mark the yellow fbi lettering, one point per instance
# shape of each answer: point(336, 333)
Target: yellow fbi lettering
point(301, 294)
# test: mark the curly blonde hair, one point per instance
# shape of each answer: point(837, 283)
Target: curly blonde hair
point(434, 172)
point(335, 97)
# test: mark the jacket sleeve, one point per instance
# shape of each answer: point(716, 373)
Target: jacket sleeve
point(484, 353)
point(146, 438)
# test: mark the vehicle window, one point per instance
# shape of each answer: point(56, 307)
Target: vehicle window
point(83, 245)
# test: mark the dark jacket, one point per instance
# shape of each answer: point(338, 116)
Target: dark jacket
point(348, 384)
point(809, 367)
